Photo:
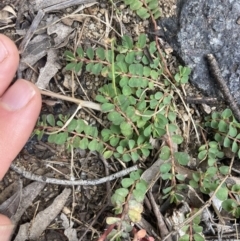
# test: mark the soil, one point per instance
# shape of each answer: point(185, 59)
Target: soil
point(88, 205)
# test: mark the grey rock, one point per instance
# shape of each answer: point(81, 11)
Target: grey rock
point(202, 27)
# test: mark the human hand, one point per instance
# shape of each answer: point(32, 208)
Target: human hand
point(20, 105)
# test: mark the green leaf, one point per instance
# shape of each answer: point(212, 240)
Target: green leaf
point(131, 144)
point(130, 57)
point(148, 130)
point(83, 143)
point(115, 117)
point(135, 175)
point(127, 182)
point(69, 54)
point(114, 141)
point(72, 125)
point(226, 142)
point(165, 168)
point(218, 137)
point(229, 205)
point(235, 147)
point(70, 66)
point(145, 152)
point(185, 237)
point(105, 133)
point(143, 13)
point(90, 53)
point(80, 52)
point(236, 188)
point(226, 113)
point(135, 5)
point(126, 129)
point(124, 81)
point(126, 90)
point(126, 157)
point(89, 67)
point(107, 107)
point(50, 119)
point(193, 184)
point(127, 42)
point(180, 177)
point(135, 157)
point(198, 237)
point(182, 158)
point(142, 39)
point(232, 131)
point(120, 149)
point(153, 5)
point(222, 193)
point(112, 220)
point(202, 154)
point(51, 138)
point(78, 67)
point(97, 68)
point(223, 126)
point(61, 138)
point(139, 195)
point(108, 55)
point(165, 153)
point(135, 82)
point(224, 170)
point(211, 161)
point(154, 74)
point(122, 192)
point(136, 69)
point(101, 99)
point(76, 141)
point(100, 53)
point(177, 139)
point(107, 154)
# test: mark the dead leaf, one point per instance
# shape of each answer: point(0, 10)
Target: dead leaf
point(43, 219)
point(29, 193)
point(10, 10)
point(49, 70)
point(36, 49)
point(60, 30)
point(10, 206)
point(69, 232)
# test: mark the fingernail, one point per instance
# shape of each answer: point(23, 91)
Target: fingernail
point(3, 52)
point(17, 96)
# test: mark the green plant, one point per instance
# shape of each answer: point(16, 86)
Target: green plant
point(127, 201)
point(144, 8)
point(227, 130)
point(138, 102)
point(192, 231)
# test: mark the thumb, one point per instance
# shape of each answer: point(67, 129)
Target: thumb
point(6, 228)
point(19, 108)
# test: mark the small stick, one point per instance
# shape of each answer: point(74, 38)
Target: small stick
point(223, 86)
point(93, 182)
point(161, 224)
point(82, 103)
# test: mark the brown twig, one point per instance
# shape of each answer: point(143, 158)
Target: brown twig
point(81, 182)
point(161, 224)
point(216, 72)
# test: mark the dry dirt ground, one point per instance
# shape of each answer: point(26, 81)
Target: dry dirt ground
point(86, 206)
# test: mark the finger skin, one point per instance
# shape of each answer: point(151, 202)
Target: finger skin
point(9, 65)
point(16, 124)
point(6, 228)
point(16, 127)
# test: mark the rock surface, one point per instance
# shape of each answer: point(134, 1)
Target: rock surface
point(202, 27)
